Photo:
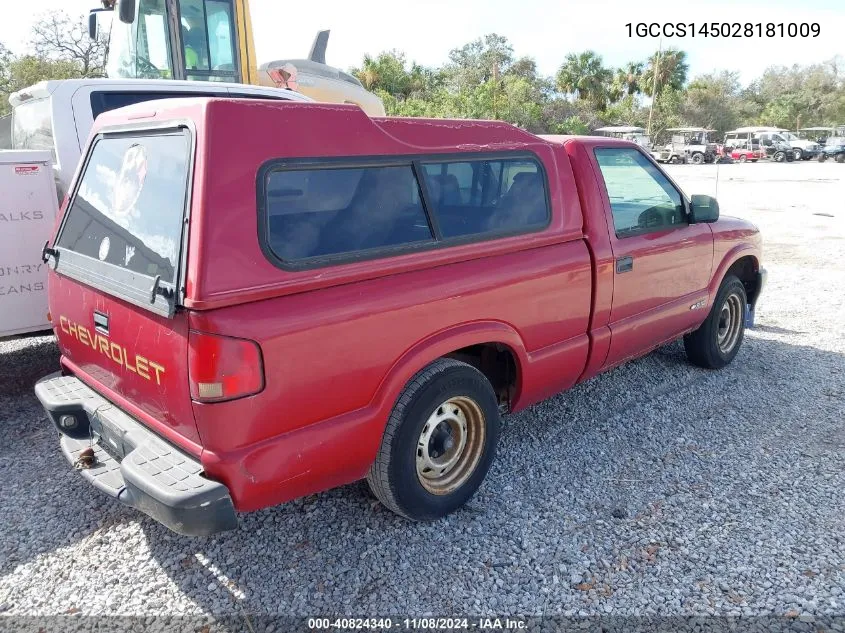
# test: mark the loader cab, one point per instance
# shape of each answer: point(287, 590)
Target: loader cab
point(200, 40)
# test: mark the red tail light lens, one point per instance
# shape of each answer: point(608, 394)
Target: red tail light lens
point(223, 368)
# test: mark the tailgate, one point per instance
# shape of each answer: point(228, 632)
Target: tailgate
point(116, 262)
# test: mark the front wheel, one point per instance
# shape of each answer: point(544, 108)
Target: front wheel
point(697, 158)
point(743, 158)
point(779, 157)
point(797, 154)
point(822, 158)
point(439, 442)
point(840, 158)
point(716, 342)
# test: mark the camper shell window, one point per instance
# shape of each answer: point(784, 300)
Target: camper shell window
point(319, 212)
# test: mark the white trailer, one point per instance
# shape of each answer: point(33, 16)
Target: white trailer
point(28, 210)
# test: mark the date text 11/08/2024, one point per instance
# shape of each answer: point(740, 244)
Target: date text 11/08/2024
point(723, 29)
point(423, 624)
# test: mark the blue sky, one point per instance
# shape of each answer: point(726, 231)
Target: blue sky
point(544, 29)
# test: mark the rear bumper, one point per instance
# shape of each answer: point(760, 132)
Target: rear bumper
point(134, 465)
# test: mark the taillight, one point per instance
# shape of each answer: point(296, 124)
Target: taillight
point(223, 368)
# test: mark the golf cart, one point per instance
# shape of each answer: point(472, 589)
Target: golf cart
point(689, 145)
point(822, 134)
point(834, 148)
point(626, 132)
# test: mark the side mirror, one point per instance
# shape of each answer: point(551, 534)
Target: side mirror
point(703, 209)
point(126, 11)
point(92, 25)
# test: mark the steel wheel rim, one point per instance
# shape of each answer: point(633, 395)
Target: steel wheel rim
point(450, 445)
point(730, 323)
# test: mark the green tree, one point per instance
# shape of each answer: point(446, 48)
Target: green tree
point(669, 68)
point(585, 76)
point(626, 80)
point(713, 101)
point(22, 72)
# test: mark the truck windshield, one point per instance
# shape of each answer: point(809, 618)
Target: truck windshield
point(129, 207)
point(32, 126)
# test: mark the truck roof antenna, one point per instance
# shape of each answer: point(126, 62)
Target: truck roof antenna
point(318, 48)
point(716, 193)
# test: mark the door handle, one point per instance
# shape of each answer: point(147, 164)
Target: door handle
point(624, 264)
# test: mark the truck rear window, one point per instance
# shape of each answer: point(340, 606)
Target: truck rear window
point(129, 206)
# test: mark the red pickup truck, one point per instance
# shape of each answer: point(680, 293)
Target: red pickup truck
point(257, 301)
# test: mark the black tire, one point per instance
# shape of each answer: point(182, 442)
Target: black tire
point(394, 477)
point(697, 158)
point(674, 160)
point(797, 154)
point(840, 158)
point(703, 346)
point(743, 158)
point(822, 158)
point(779, 157)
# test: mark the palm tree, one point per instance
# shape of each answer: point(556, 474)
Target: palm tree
point(669, 68)
point(584, 76)
point(368, 74)
point(627, 78)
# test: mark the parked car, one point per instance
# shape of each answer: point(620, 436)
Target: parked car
point(748, 152)
point(834, 149)
point(243, 323)
point(773, 144)
point(56, 117)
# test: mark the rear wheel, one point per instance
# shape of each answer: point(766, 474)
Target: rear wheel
point(840, 158)
point(822, 158)
point(697, 158)
point(674, 160)
point(717, 341)
point(743, 158)
point(439, 442)
point(779, 157)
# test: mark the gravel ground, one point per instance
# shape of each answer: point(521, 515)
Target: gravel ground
point(658, 488)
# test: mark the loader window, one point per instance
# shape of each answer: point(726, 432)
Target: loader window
point(129, 207)
point(208, 38)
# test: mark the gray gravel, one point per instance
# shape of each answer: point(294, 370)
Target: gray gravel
point(658, 488)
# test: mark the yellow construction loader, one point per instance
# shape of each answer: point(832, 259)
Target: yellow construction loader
point(211, 40)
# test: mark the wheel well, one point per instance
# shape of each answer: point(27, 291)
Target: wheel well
point(497, 362)
point(745, 268)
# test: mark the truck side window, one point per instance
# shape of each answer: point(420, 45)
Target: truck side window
point(486, 196)
point(342, 210)
point(642, 199)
